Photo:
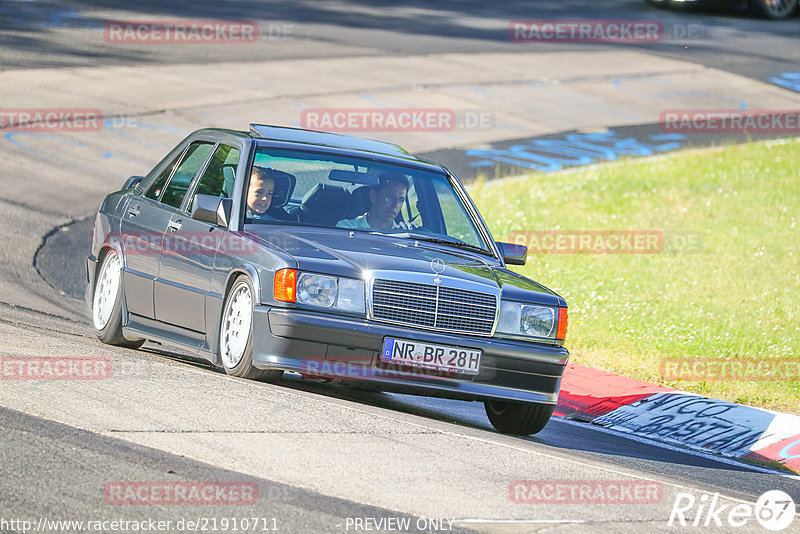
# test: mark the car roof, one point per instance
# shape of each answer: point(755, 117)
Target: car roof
point(312, 137)
point(287, 136)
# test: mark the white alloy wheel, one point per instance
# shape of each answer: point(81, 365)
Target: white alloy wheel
point(106, 290)
point(236, 325)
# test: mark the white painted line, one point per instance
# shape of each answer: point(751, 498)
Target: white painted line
point(518, 521)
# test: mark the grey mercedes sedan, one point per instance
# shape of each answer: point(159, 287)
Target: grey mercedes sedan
point(335, 257)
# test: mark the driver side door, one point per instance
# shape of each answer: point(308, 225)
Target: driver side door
point(190, 247)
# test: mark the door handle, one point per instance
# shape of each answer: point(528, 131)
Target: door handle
point(175, 225)
point(134, 211)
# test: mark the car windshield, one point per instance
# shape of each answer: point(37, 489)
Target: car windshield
point(360, 194)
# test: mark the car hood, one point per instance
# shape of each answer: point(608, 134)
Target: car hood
point(351, 254)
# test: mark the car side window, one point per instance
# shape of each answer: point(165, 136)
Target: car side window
point(217, 179)
point(154, 191)
point(183, 175)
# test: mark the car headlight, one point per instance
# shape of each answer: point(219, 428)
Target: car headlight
point(527, 320)
point(319, 290)
point(351, 295)
point(316, 290)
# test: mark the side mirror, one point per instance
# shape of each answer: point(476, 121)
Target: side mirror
point(133, 183)
point(514, 254)
point(212, 210)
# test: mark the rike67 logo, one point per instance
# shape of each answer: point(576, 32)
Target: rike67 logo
point(774, 510)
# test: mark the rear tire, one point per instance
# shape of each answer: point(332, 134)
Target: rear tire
point(107, 303)
point(236, 334)
point(773, 9)
point(522, 419)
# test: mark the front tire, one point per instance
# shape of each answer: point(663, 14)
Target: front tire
point(236, 334)
point(107, 303)
point(773, 9)
point(522, 419)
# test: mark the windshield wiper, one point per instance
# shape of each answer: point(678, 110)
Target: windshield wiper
point(457, 243)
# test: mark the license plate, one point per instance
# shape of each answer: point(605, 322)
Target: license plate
point(440, 357)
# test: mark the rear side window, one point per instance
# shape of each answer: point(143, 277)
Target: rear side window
point(217, 179)
point(309, 171)
point(187, 169)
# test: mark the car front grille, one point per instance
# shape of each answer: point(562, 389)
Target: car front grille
point(432, 306)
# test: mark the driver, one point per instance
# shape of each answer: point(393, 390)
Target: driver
point(385, 199)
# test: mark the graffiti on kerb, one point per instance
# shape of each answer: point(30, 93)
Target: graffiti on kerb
point(789, 80)
point(548, 155)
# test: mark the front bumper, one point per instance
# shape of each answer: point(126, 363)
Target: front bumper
point(347, 348)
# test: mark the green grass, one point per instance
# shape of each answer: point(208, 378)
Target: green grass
point(736, 297)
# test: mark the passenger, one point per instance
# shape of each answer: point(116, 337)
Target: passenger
point(385, 199)
point(259, 195)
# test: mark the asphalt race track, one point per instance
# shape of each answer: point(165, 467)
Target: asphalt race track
point(321, 456)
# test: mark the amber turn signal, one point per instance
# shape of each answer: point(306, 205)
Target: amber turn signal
point(562, 324)
point(285, 286)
